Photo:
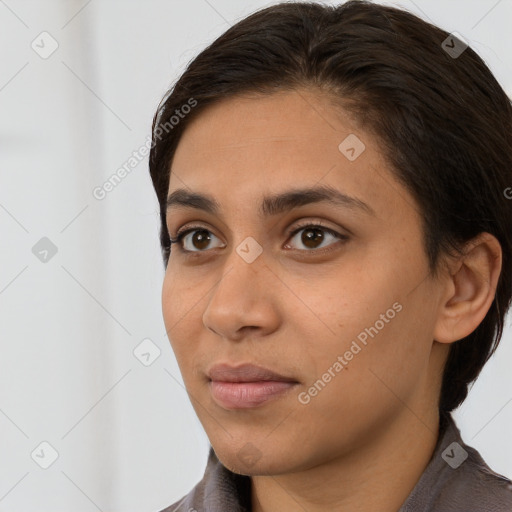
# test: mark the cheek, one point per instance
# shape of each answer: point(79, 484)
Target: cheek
point(184, 299)
point(356, 383)
point(369, 319)
point(179, 304)
point(170, 297)
point(181, 289)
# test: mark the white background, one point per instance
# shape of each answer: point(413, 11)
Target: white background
point(126, 435)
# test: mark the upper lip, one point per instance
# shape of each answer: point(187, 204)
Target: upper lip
point(245, 373)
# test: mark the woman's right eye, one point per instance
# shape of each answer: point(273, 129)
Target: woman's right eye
point(201, 238)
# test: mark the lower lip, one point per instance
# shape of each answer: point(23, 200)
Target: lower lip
point(244, 395)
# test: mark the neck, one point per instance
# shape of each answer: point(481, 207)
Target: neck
point(378, 477)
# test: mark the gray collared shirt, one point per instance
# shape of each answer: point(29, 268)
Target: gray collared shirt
point(456, 479)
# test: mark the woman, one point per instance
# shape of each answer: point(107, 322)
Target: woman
point(332, 182)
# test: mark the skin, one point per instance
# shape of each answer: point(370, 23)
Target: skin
point(364, 440)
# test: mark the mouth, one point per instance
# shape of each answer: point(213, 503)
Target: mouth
point(247, 386)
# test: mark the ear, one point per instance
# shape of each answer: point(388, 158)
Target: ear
point(471, 283)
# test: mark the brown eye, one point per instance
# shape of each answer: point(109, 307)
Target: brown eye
point(311, 237)
point(314, 235)
point(198, 241)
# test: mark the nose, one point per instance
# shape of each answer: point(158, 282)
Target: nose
point(243, 300)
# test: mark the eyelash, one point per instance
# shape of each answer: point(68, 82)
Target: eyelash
point(297, 229)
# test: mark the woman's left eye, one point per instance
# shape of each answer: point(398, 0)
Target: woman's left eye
point(313, 237)
point(313, 234)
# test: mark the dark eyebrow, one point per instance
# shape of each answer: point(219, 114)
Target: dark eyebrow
point(273, 204)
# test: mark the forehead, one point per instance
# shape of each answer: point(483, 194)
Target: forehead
point(244, 148)
point(286, 118)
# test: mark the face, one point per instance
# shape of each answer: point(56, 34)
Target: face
point(334, 295)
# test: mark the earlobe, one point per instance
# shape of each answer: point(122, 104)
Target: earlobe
point(470, 289)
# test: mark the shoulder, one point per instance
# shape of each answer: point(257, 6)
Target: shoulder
point(474, 486)
point(457, 479)
point(219, 490)
point(195, 498)
point(180, 505)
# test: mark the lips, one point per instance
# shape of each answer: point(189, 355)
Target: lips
point(245, 373)
point(246, 386)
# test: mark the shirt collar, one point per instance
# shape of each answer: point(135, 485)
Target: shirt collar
point(221, 490)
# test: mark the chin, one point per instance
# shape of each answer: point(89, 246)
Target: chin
point(252, 459)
